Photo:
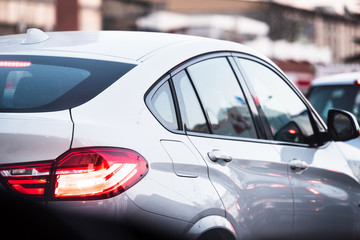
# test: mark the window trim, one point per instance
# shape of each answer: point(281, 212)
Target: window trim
point(259, 119)
point(254, 111)
point(227, 57)
point(206, 117)
point(148, 102)
point(182, 67)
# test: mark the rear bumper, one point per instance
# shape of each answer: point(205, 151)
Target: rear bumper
point(116, 217)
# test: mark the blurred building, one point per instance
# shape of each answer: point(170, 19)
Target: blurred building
point(298, 35)
point(123, 14)
point(18, 15)
point(320, 26)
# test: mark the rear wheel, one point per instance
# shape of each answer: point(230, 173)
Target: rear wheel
point(217, 234)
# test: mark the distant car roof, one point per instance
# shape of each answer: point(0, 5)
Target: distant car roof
point(133, 46)
point(338, 79)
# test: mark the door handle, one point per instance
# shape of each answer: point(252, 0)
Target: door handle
point(216, 155)
point(297, 164)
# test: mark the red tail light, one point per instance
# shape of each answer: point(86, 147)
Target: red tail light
point(98, 172)
point(80, 173)
point(30, 179)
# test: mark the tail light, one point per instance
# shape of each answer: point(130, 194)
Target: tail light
point(80, 173)
point(31, 179)
point(97, 172)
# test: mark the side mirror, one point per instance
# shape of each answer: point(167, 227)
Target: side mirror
point(342, 125)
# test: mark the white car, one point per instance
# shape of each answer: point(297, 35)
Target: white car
point(194, 137)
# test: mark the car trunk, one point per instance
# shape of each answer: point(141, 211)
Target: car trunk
point(36, 93)
point(28, 137)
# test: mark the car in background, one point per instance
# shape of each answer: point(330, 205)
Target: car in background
point(193, 137)
point(339, 91)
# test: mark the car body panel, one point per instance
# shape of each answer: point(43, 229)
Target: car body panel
point(252, 194)
point(325, 191)
point(351, 152)
point(254, 186)
point(120, 212)
point(163, 190)
point(118, 44)
point(111, 43)
point(27, 137)
point(185, 163)
point(209, 223)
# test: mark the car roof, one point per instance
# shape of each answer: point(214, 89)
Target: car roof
point(337, 79)
point(125, 45)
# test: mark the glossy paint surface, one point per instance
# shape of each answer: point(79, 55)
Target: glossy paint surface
point(254, 186)
point(326, 193)
point(248, 187)
point(26, 137)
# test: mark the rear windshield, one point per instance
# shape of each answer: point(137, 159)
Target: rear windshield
point(38, 83)
point(346, 97)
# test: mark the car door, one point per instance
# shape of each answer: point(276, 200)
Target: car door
point(246, 171)
point(181, 188)
point(324, 187)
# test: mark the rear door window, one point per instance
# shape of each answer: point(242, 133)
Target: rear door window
point(38, 83)
point(222, 98)
point(192, 114)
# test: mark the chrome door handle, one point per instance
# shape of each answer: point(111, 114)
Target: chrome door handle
point(216, 155)
point(297, 164)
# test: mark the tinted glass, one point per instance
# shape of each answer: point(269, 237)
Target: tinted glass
point(36, 83)
point(222, 98)
point(346, 97)
point(343, 126)
point(287, 115)
point(163, 104)
point(191, 113)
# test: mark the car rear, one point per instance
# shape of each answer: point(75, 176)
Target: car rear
point(72, 137)
point(38, 162)
point(37, 94)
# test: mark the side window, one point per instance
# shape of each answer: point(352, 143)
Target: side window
point(286, 114)
point(163, 104)
point(191, 113)
point(222, 98)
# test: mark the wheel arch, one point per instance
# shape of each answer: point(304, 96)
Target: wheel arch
point(212, 227)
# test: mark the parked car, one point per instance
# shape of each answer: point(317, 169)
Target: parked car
point(336, 91)
point(339, 91)
point(194, 137)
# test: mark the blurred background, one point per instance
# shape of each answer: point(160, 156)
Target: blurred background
point(306, 38)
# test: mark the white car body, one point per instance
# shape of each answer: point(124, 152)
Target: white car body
point(269, 189)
